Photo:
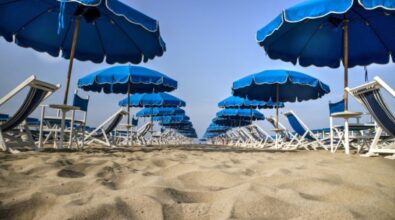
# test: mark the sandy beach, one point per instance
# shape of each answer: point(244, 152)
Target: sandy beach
point(195, 183)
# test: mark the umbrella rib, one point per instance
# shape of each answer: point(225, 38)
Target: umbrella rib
point(308, 41)
point(281, 36)
point(100, 38)
point(10, 2)
point(65, 34)
point(32, 20)
point(371, 27)
point(119, 27)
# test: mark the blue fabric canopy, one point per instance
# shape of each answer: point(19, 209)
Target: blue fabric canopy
point(160, 111)
point(152, 100)
point(293, 86)
point(116, 79)
point(232, 122)
point(238, 102)
point(108, 29)
point(217, 128)
point(311, 33)
point(235, 113)
point(175, 124)
point(171, 119)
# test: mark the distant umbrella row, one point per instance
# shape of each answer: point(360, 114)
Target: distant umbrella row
point(265, 90)
point(146, 89)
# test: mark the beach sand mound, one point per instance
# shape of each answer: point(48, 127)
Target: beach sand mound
point(195, 183)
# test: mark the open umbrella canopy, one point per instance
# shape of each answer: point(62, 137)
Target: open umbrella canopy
point(238, 102)
point(152, 100)
point(171, 119)
point(234, 113)
point(291, 86)
point(118, 79)
point(232, 122)
point(108, 29)
point(175, 124)
point(160, 111)
point(311, 33)
point(217, 128)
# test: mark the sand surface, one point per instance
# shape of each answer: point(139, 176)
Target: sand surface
point(216, 183)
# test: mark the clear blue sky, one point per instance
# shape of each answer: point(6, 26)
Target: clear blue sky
point(210, 43)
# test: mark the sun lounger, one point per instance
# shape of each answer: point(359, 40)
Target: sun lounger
point(101, 134)
point(142, 131)
point(370, 97)
point(305, 136)
point(38, 92)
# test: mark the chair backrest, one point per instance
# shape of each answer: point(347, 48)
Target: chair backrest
point(336, 107)
point(33, 99)
point(33, 121)
point(297, 125)
point(80, 102)
point(4, 117)
point(135, 121)
point(38, 91)
point(376, 106)
point(114, 123)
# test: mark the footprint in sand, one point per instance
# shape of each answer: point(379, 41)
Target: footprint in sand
point(110, 176)
point(63, 163)
point(70, 173)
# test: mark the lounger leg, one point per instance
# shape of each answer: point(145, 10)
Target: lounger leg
point(2, 142)
point(346, 137)
point(29, 134)
point(40, 138)
point(375, 141)
point(331, 133)
point(62, 125)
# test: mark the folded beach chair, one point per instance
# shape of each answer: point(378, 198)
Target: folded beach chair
point(286, 136)
point(263, 139)
point(101, 134)
point(243, 138)
point(38, 92)
point(305, 136)
point(141, 132)
point(370, 97)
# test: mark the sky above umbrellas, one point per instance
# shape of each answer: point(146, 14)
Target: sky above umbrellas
point(210, 44)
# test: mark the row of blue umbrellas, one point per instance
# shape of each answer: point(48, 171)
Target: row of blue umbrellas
point(265, 90)
point(150, 89)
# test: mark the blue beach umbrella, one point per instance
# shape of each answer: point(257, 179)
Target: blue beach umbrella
point(238, 102)
point(93, 30)
point(171, 119)
point(234, 113)
point(126, 79)
point(280, 86)
point(326, 32)
point(176, 124)
point(152, 100)
point(160, 111)
point(231, 122)
point(217, 128)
